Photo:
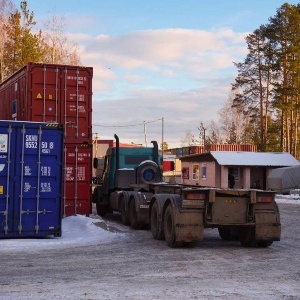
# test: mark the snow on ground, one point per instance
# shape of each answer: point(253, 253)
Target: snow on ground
point(81, 230)
point(76, 231)
point(292, 199)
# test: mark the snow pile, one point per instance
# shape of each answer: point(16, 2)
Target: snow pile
point(76, 231)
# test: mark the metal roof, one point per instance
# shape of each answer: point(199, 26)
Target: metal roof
point(274, 159)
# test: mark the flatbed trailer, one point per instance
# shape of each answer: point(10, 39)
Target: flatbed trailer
point(180, 216)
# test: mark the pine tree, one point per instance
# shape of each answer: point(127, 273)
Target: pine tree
point(252, 85)
point(22, 46)
point(284, 33)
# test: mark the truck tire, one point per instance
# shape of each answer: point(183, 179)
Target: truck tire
point(157, 232)
point(101, 211)
point(264, 244)
point(133, 215)
point(229, 233)
point(169, 227)
point(247, 239)
point(124, 218)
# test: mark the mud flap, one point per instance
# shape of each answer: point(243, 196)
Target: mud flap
point(267, 227)
point(142, 207)
point(188, 225)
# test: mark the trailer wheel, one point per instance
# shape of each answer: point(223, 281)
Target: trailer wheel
point(124, 218)
point(229, 233)
point(247, 237)
point(133, 215)
point(224, 234)
point(157, 232)
point(264, 244)
point(169, 227)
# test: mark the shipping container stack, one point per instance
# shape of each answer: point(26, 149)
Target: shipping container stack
point(58, 94)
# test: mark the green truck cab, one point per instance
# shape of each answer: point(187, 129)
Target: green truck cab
point(126, 173)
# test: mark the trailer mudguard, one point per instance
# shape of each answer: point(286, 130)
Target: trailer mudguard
point(189, 225)
point(268, 227)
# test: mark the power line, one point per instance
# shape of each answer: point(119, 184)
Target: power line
point(129, 125)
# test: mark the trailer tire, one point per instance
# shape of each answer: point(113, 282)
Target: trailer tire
point(264, 244)
point(157, 232)
point(124, 217)
point(229, 233)
point(133, 215)
point(247, 237)
point(169, 227)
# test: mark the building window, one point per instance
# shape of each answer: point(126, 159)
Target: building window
point(195, 172)
point(235, 171)
point(185, 173)
point(203, 171)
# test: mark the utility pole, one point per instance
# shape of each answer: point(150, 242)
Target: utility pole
point(145, 133)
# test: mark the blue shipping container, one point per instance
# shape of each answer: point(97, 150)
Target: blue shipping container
point(30, 179)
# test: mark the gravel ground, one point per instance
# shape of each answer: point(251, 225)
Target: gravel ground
point(135, 266)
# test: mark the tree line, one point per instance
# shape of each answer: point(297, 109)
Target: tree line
point(264, 103)
point(21, 41)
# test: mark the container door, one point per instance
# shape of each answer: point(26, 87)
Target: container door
point(77, 181)
point(77, 104)
point(7, 144)
point(44, 94)
point(38, 182)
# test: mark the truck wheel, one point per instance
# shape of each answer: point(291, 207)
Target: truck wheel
point(157, 232)
point(264, 244)
point(225, 234)
point(124, 218)
point(247, 237)
point(229, 233)
point(133, 215)
point(169, 227)
point(101, 211)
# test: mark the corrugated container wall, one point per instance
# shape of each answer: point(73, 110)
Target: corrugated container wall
point(31, 162)
point(51, 93)
point(54, 93)
point(78, 161)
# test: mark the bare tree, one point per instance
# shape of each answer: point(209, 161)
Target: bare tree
point(233, 123)
point(188, 139)
point(58, 48)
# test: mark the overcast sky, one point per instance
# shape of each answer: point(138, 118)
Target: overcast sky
point(158, 59)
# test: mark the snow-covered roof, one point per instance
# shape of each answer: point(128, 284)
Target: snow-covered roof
point(274, 159)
